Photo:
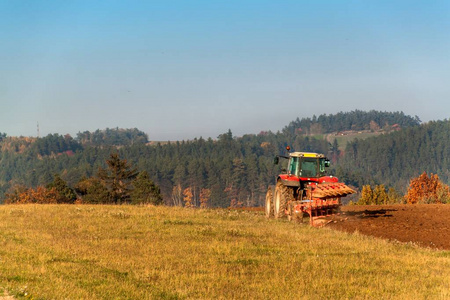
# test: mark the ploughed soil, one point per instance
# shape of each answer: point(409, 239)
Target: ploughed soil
point(427, 225)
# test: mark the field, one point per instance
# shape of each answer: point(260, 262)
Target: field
point(349, 136)
point(125, 252)
point(426, 225)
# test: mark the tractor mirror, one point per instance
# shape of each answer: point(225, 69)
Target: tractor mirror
point(276, 159)
point(327, 163)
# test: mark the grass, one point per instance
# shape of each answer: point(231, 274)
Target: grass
point(344, 139)
point(125, 252)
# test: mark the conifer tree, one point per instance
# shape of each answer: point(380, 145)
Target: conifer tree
point(92, 190)
point(65, 194)
point(145, 191)
point(118, 178)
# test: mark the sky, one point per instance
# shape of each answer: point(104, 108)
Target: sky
point(178, 70)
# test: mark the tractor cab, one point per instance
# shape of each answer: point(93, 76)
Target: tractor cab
point(306, 164)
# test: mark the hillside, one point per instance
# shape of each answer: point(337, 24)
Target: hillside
point(351, 121)
point(146, 252)
point(234, 171)
point(393, 159)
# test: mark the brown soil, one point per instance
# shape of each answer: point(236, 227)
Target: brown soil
point(426, 225)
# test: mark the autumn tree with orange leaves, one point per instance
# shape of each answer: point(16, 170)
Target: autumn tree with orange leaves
point(39, 195)
point(188, 197)
point(427, 189)
point(205, 196)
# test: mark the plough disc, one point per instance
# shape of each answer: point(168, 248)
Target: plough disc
point(330, 190)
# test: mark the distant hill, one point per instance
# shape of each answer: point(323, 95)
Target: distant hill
point(112, 137)
point(355, 120)
point(392, 159)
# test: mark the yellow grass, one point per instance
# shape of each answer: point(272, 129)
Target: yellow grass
point(125, 252)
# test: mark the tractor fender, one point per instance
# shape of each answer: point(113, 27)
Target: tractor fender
point(289, 180)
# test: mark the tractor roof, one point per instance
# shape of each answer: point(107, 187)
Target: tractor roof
point(306, 154)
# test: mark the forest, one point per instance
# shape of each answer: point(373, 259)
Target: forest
point(235, 171)
point(355, 120)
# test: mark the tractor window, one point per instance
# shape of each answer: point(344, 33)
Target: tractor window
point(309, 167)
point(293, 166)
point(322, 166)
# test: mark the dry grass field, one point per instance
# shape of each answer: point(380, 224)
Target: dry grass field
point(126, 252)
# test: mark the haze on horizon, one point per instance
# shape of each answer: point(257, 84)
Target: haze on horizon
point(184, 69)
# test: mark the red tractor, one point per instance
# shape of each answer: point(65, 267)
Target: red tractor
point(305, 188)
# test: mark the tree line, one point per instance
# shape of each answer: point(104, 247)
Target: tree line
point(354, 120)
point(424, 189)
point(233, 171)
point(393, 159)
point(229, 170)
point(119, 183)
point(112, 137)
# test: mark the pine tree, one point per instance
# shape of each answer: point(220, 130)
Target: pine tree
point(118, 178)
point(92, 190)
point(145, 191)
point(335, 152)
point(65, 193)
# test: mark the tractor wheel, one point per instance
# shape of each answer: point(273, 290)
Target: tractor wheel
point(292, 216)
point(280, 199)
point(269, 204)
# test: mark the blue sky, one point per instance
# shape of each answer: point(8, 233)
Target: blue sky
point(185, 69)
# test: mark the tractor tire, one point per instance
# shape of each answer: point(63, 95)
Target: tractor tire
point(280, 200)
point(269, 202)
point(292, 216)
